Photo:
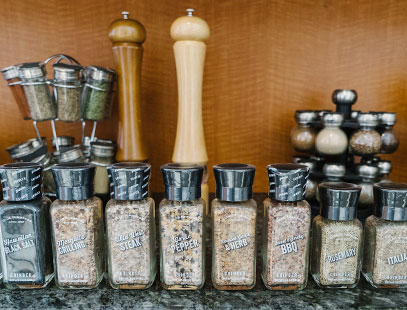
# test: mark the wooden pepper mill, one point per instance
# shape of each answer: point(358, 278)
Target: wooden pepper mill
point(127, 35)
point(190, 33)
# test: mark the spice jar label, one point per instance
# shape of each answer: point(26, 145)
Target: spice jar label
point(182, 244)
point(234, 237)
point(129, 245)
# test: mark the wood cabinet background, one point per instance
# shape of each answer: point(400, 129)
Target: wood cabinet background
point(265, 59)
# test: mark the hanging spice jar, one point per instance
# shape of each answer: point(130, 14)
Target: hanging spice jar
point(303, 135)
point(331, 140)
point(366, 140)
point(73, 154)
point(24, 231)
point(67, 91)
point(337, 237)
point(12, 76)
point(130, 226)
point(286, 230)
point(234, 215)
point(36, 88)
point(390, 141)
point(385, 248)
point(96, 92)
point(384, 170)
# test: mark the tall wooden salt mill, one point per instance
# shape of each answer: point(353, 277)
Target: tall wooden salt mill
point(127, 35)
point(190, 33)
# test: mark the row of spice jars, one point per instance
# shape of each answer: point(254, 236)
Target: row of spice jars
point(78, 234)
point(369, 139)
point(78, 93)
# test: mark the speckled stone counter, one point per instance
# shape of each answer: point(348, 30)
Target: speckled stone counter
point(362, 297)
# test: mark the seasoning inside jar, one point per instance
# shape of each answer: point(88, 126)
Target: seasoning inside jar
point(366, 140)
point(390, 141)
point(12, 76)
point(331, 140)
point(303, 135)
point(67, 91)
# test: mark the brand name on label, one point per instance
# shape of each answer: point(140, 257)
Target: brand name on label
point(397, 259)
point(342, 255)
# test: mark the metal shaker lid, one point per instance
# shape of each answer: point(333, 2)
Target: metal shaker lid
point(344, 96)
point(334, 170)
point(384, 167)
point(74, 181)
point(182, 182)
point(234, 182)
point(354, 114)
point(103, 148)
point(99, 73)
point(67, 72)
point(11, 72)
point(310, 163)
point(31, 70)
point(367, 171)
point(332, 118)
point(129, 181)
point(391, 201)
point(305, 116)
point(287, 181)
point(339, 200)
point(70, 154)
point(388, 118)
point(64, 141)
point(29, 150)
point(368, 119)
point(21, 181)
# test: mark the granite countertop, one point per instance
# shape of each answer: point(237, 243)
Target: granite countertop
point(104, 297)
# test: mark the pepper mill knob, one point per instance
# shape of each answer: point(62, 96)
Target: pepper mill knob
point(190, 28)
point(344, 99)
point(126, 30)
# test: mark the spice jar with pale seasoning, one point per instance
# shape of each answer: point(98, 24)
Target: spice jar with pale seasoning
point(287, 222)
point(331, 140)
point(303, 135)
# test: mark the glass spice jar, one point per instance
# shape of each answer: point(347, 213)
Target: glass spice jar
point(12, 76)
point(72, 154)
point(384, 259)
point(234, 214)
point(384, 167)
point(366, 140)
point(303, 135)
point(182, 228)
point(77, 228)
point(331, 140)
point(47, 162)
point(102, 155)
point(97, 92)
point(286, 228)
point(24, 228)
point(67, 91)
point(36, 88)
point(390, 141)
point(130, 226)
point(337, 237)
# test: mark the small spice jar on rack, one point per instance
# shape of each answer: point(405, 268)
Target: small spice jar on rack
point(67, 91)
point(303, 135)
point(77, 228)
point(386, 238)
point(182, 228)
point(366, 140)
point(24, 215)
point(130, 226)
point(368, 174)
point(390, 141)
point(12, 76)
point(36, 88)
point(287, 223)
point(331, 140)
point(234, 215)
point(312, 183)
point(384, 170)
point(72, 154)
point(337, 237)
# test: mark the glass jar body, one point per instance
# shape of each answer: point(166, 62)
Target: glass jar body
point(336, 252)
point(19, 96)
point(68, 100)
point(331, 140)
point(77, 241)
point(25, 244)
point(182, 244)
point(384, 253)
point(95, 99)
point(390, 141)
point(303, 138)
point(365, 141)
point(234, 244)
point(130, 227)
point(286, 239)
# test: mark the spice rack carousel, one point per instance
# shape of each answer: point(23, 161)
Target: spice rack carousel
point(344, 146)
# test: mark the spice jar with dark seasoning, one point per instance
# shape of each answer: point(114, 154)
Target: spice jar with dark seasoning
point(182, 228)
point(366, 140)
point(384, 171)
point(286, 230)
point(234, 228)
point(385, 253)
point(368, 174)
point(303, 135)
point(337, 237)
point(331, 140)
point(36, 88)
point(77, 228)
point(130, 226)
point(12, 76)
point(24, 221)
point(67, 91)
point(390, 141)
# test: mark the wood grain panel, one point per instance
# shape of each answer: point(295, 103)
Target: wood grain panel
point(265, 59)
